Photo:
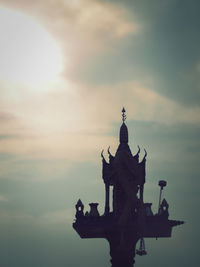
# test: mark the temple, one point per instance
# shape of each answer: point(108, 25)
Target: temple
point(127, 219)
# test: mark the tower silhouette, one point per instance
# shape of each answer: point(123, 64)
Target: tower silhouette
point(129, 219)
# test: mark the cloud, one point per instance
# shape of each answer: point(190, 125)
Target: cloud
point(89, 17)
point(3, 198)
point(83, 27)
point(192, 77)
point(75, 121)
point(75, 125)
point(7, 217)
point(44, 220)
point(141, 104)
point(57, 217)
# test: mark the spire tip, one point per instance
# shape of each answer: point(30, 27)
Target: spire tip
point(123, 114)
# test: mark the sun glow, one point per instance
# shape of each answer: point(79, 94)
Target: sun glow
point(28, 54)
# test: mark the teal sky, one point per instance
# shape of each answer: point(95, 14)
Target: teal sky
point(67, 68)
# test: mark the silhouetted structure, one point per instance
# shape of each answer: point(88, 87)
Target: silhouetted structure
point(131, 219)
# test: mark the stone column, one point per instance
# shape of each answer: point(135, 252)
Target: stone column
point(122, 248)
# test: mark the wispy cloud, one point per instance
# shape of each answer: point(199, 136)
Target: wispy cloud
point(44, 220)
point(3, 198)
point(71, 126)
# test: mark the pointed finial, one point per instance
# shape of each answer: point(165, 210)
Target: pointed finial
point(123, 115)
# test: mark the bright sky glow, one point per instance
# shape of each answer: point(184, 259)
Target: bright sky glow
point(28, 53)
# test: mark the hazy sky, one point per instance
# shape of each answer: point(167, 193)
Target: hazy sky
point(67, 67)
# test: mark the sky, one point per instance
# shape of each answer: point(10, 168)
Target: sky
point(67, 68)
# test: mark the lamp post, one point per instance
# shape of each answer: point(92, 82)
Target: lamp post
point(162, 184)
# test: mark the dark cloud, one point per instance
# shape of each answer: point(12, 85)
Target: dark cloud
point(164, 55)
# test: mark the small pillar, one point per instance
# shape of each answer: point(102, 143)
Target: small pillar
point(141, 192)
point(107, 199)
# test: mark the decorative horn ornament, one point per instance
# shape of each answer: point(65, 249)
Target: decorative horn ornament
point(109, 152)
point(145, 153)
point(102, 154)
point(137, 155)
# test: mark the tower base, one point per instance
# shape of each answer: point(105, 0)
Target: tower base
point(122, 248)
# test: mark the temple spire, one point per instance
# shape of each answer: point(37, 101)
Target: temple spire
point(123, 134)
point(130, 219)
